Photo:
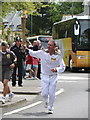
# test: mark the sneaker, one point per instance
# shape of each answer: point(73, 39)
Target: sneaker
point(50, 111)
point(11, 95)
point(25, 77)
point(3, 100)
point(35, 77)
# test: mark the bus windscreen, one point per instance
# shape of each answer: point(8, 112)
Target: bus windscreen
point(84, 41)
point(44, 41)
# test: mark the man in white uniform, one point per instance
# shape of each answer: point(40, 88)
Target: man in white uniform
point(51, 64)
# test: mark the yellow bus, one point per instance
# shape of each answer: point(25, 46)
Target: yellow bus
point(43, 39)
point(73, 37)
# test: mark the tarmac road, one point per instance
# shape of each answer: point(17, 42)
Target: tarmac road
point(71, 99)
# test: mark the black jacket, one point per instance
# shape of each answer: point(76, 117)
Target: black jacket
point(19, 52)
point(7, 58)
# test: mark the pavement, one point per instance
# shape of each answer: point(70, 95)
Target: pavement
point(30, 89)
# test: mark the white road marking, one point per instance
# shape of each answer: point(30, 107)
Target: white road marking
point(59, 92)
point(72, 78)
point(23, 108)
point(31, 105)
point(68, 81)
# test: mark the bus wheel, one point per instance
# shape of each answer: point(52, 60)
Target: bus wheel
point(71, 68)
point(70, 64)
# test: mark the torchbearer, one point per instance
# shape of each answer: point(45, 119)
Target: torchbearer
point(51, 64)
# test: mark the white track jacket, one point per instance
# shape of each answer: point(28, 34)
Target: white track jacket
point(49, 61)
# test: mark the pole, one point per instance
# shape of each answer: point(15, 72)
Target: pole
point(23, 21)
point(72, 9)
point(31, 24)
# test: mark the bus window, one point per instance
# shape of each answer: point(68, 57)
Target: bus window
point(43, 39)
point(76, 28)
point(85, 36)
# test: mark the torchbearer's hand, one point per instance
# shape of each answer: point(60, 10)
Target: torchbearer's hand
point(54, 70)
point(23, 47)
point(27, 51)
point(12, 65)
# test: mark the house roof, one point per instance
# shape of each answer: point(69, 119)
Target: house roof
point(13, 20)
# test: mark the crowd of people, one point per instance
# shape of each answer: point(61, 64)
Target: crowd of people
point(32, 63)
point(15, 63)
point(37, 61)
point(25, 62)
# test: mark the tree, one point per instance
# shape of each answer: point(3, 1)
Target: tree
point(53, 12)
point(40, 23)
point(24, 7)
point(66, 7)
point(29, 6)
point(43, 14)
point(57, 10)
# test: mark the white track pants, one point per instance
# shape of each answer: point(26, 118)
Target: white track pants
point(49, 88)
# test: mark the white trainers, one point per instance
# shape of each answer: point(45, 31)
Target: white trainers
point(50, 110)
point(3, 100)
point(35, 78)
point(11, 95)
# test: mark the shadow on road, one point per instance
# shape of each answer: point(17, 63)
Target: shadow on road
point(35, 114)
point(78, 71)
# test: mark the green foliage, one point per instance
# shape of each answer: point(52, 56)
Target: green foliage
point(40, 23)
point(50, 13)
point(69, 7)
point(55, 12)
point(30, 7)
point(44, 14)
point(64, 8)
point(6, 8)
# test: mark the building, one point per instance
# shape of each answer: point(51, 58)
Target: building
point(13, 21)
point(86, 7)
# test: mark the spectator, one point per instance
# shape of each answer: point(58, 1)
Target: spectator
point(39, 63)
point(17, 49)
point(24, 62)
point(7, 61)
point(29, 63)
point(35, 60)
point(35, 66)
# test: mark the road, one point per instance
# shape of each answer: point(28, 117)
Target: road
point(71, 100)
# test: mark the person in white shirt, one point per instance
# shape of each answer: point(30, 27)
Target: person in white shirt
point(51, 64)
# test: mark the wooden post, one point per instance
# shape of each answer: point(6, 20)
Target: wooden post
point(23, 21)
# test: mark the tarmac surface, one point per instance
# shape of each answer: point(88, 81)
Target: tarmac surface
point(31, 88)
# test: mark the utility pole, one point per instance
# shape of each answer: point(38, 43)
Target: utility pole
point(31, 24)
point(72, 9)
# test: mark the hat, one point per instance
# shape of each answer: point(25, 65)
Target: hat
point(18, 39)
point(4, 43)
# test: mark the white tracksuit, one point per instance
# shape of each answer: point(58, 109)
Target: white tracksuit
point(49, 78)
